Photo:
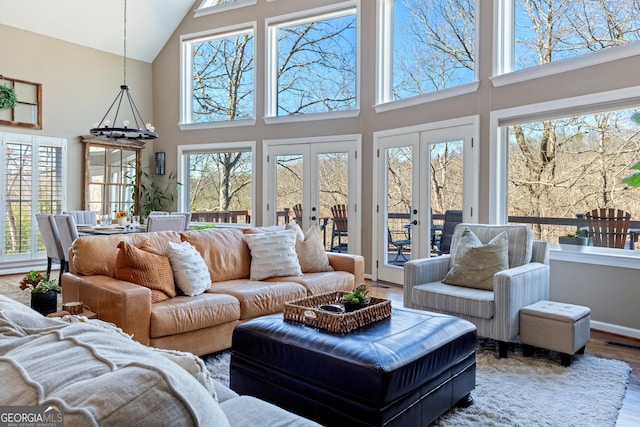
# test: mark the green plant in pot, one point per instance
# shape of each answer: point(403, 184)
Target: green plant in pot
point(8, 97)
point(155, 194)
point(356, 299)
point(578, 237)
point(44, 292)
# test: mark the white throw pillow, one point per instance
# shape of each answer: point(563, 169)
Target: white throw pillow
point(273, 255)
point(190, 272)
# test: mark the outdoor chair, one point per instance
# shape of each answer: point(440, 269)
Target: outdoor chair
point(400, 245)
point(493, 305)
point(609, 227)
point(297, 211)
point(340, 227)
point(451, 219)
point(52, 243)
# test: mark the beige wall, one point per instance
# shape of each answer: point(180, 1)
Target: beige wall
point(166, 72)
point(78, 85)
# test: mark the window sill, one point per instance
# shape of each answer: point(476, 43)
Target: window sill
point(569, 64)
point(424, 98)
point(624, 258)
point(310, 117)
point(214, 125)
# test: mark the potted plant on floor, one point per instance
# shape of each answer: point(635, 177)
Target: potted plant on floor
point(44, 292)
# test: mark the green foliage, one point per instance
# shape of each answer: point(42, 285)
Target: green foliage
point(202, 227)
point(8, 97)
point(38, 283)
point(156, 195)
point(360, 295)
point(577, 233)
point(633, 180)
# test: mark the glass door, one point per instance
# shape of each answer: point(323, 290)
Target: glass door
point(313, 183)
point(421, 176)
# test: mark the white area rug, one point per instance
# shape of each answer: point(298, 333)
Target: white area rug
point(531, 391)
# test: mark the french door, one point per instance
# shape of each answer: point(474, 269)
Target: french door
point(316, 175)
point(421, 175)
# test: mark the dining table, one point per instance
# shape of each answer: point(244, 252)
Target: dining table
point(107, 230)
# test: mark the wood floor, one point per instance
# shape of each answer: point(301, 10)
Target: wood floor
point(627, 349)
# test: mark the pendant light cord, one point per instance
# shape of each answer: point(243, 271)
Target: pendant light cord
point(125, 43)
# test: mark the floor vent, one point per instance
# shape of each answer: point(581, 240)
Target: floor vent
point(380, 286)
point(621, 344)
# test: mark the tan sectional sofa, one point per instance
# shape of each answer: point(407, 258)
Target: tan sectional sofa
point(199, 324)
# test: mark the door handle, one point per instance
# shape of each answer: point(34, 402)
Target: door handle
point(414, 222)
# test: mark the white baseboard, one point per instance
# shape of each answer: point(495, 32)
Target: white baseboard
point(615, 329)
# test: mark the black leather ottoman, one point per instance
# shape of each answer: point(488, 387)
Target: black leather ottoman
point(406, 370)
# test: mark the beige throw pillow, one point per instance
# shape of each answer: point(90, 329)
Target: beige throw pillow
point(190, 272)
point(474, 264)
point(311, 252)
point(273, 255)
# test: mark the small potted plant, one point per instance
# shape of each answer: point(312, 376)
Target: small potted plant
point(356, 299)
point(122, 218)
point(44, 292)
point(577, 238)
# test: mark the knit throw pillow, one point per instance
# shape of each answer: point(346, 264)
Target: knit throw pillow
point(145, 267)
point(190, 272)
point(474, 264)
point(273, 255)
point(311, 252)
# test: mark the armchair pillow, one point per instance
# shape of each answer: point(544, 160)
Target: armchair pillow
point(474, 264)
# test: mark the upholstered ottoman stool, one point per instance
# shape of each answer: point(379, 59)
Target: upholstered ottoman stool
point(406, 370)
point(556, 326)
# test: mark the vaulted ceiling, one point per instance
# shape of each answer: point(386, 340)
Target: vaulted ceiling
point(99, 24)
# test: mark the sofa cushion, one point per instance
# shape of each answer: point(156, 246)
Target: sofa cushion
point(99, 375)
point(184, 314)
point(273, 254)
point(247, 411)
point(322, 282)
point(146, 268)
point(456, 300)
point(259, 298)
point(190, 272)
point(224, 250)
point(474, 264)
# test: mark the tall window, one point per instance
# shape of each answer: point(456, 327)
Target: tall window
point(219, 184)
point(314, 64)
point(220, 83)
point(539, 32)
point(426, 46)
point(569, 165)
point(33, 183)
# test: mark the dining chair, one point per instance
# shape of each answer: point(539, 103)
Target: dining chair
point(297, 211)
point(165, 223)
point(158, 213)
point(609, 227)
point(68, 232)
point(340, 227)
point(187, 218)
point(83, 217)
point(52, 244)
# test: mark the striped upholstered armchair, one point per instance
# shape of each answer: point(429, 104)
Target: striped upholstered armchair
point(493, 307)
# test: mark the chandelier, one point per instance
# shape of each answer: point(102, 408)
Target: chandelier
point(132, 128)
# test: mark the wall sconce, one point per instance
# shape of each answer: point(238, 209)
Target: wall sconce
point(159, 162)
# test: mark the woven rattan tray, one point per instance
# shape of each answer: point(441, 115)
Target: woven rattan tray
point(306, 311)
